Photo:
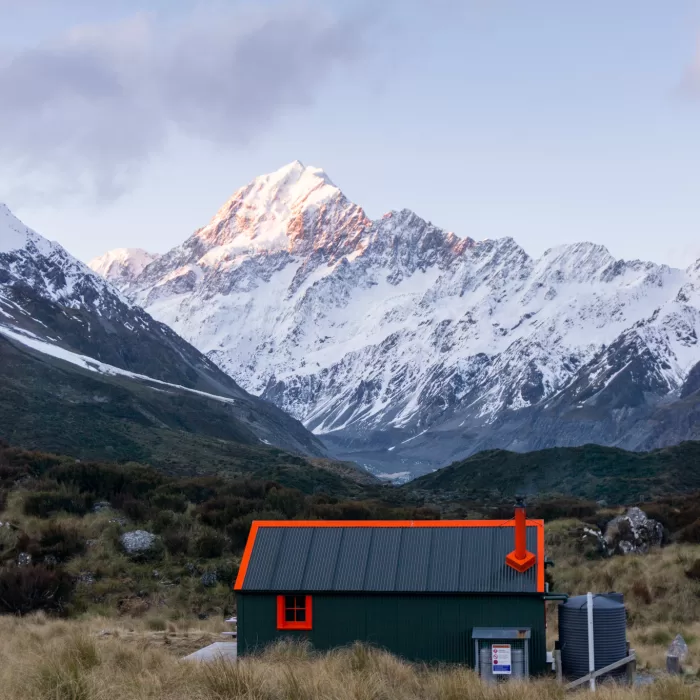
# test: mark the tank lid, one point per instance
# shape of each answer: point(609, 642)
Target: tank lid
point(614, 596)
point(600, 602)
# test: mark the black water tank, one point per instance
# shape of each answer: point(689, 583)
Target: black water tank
point(614, 596)
point(609, 633)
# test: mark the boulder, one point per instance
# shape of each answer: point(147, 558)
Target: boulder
point(633, 533)
point(138, 541)
point(86, 578)
point(209, 579)
point(592, 543)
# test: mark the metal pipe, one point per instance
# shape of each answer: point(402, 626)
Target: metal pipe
point(591, 647)
point(556, 596)
point(520, 533)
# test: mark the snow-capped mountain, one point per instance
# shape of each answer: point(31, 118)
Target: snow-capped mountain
point(122, 265)
point(54, 306)
point(403, 344)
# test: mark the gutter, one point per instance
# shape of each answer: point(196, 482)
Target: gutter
point(563, 597)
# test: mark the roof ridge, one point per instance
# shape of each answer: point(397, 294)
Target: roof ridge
point(530, 522)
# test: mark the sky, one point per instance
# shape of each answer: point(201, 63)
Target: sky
point(127, 124)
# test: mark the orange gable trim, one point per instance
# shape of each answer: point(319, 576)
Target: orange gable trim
point(257, 524)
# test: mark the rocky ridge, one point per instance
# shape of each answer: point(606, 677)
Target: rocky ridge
point(407, 347)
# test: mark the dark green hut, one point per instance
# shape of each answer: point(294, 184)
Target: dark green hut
point(432, 591)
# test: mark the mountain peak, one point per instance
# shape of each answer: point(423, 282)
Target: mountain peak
point(582, 262)
point(284, 210)
point(292, 183)
point(14, 235)
point(122, 265)
point(295, 170)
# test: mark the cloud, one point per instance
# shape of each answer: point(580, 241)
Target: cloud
point(689, 85)
point(83, 114)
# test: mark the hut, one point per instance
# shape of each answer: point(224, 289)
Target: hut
point(432, 591)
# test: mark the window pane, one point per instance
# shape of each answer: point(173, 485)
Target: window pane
point(301, 615)
point(289, 615)
point(300, 601)
point(290, 601)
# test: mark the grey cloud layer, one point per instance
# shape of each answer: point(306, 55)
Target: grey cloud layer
point(90, 109)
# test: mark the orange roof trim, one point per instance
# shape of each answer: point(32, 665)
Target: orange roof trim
point(257, 524)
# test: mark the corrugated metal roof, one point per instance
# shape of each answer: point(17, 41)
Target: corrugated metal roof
point(414, 558)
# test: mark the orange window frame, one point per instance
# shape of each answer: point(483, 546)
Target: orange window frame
point(283, 623)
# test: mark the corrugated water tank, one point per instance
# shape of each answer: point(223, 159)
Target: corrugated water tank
point(609, 633)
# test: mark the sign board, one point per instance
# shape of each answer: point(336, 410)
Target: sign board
point(500, 659)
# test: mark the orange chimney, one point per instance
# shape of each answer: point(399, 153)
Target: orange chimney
point(520, 559)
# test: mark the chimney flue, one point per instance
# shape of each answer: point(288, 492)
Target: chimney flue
point(520, 559)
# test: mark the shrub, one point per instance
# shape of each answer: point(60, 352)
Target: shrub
point(642, 592)
point(201, 488)
point(61, 541)
point(44, 504)
point(691, 533)
point(219, 512)
point(175, 502)
point(693, 572)
point(163, 521)
point(238, 529)
point(135, 509)
point(24, 589)
point(9, 538)
point(287, 501)
point(560, 508)
point(209, 545)
point(226, 573)
point(108, 481)
point(176, 541)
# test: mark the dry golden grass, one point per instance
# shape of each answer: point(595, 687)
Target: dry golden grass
point(661, 600)
point(42, 659)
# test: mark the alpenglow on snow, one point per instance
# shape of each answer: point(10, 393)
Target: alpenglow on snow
point(406, 347)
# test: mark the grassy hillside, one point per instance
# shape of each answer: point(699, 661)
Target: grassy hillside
point(68, 516)
point(56, 407)
point(590, 471)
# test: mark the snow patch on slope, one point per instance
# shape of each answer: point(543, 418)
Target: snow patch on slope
point(35, 343)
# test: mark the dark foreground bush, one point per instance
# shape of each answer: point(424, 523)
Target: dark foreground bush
point(176, 541)
point(25, 589)
point(61, 541)
point(690, 533)
point(209, 545)
point(44, 504)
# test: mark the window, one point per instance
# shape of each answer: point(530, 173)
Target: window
point(293, 612)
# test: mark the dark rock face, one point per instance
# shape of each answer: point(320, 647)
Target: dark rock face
point(692, 382)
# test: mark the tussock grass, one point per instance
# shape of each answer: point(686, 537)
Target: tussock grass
point(44, 659)
point(662, 600)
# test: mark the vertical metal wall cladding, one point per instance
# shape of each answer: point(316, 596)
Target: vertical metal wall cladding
point(609, 633)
